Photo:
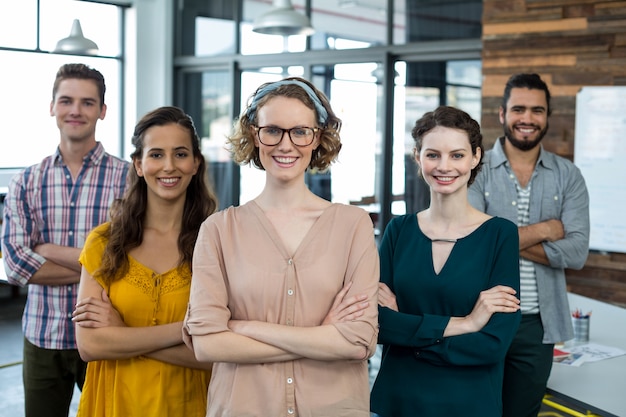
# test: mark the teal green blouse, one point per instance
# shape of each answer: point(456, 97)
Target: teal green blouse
point(423, 373)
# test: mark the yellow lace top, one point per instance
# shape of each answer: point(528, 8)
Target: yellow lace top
point(141, 386)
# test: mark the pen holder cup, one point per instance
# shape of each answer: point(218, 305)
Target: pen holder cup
point(581, 329)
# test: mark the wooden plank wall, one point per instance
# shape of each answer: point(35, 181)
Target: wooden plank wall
point(570, 43)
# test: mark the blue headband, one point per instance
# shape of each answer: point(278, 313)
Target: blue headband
point(322, 114)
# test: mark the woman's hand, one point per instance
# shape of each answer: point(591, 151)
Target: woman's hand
point(346, 309)
point(386, 298)
point(93, 312)
point(499, 299)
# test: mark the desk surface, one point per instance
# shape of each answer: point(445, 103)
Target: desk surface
point(3, 275)
point(599, 385)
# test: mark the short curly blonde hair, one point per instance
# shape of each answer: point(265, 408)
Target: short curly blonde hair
point(241, 142)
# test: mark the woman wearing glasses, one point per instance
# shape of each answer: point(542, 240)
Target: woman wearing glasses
point(284, 288)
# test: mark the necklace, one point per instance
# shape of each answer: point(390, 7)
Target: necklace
point(444, 240)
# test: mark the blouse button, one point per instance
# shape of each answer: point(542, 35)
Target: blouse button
point(290, 380)
point(290, 261)
point(290, 291)
point(486, 193)
point(514, 203)
point(290, 410)
point(556, 197)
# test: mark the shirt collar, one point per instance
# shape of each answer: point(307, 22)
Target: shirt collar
point(94, 156)
point(498, 157)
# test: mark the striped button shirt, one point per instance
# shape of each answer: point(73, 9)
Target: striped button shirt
point(46, 205)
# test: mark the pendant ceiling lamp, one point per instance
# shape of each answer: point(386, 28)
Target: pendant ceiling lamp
point(283, 20)
point(76, 43)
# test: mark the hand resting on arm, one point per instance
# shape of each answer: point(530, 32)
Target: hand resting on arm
point(102, 334)
point(499, 299)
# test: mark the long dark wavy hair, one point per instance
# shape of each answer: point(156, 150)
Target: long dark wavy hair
point(129, 213)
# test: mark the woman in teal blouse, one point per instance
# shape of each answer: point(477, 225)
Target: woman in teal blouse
point(449, 279)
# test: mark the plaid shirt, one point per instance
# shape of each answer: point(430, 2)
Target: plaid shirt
point(45, 205)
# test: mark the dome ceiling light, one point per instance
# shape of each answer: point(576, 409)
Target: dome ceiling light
point(76, 43)
point(283, 20)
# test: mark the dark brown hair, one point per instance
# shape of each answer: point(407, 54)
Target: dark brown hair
point(453, 118)
point(128, 214)
point(81, 72)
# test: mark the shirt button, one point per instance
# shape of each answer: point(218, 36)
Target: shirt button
point(290, 380)
point(290, 410)
point(70, 233)
point(556, 197)
point(514, 203)
point(486, 193)
point(290, 261)
point(72, 204)
point(290, 291)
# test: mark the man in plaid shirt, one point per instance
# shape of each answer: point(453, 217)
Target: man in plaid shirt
point(49, 210)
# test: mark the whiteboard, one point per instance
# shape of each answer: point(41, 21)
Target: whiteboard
point(600, 154)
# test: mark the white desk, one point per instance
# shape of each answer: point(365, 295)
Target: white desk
point(598, 386)
point(3, 274)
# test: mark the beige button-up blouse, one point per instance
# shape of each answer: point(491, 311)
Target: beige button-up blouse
point(242, 271)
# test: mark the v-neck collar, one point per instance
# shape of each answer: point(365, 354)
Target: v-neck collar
point(265, 222)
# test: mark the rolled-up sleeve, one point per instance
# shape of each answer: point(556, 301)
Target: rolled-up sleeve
point(364, 271)
point(207, 311)
point(20, 261)
point(573, 249)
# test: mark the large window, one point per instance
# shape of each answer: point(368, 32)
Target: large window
point(29, 31)
point(431, 46)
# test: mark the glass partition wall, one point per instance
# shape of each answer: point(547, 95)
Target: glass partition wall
point(382, 63)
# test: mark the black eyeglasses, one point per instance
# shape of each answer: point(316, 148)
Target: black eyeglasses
point(299, 136)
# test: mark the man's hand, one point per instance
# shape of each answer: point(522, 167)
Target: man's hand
point(553, 230)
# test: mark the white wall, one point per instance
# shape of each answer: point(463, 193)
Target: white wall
point(149, 60)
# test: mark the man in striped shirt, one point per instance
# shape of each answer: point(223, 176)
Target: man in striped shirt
point(49, 210)
point(546, 196)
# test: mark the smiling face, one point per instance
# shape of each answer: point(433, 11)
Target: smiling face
point(167, 163)
point(446, 159)
point(285, 161)
point(525, 119)
point(77, 108)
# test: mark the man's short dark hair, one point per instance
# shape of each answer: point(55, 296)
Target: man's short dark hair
point(530, 81)
point(81, 72)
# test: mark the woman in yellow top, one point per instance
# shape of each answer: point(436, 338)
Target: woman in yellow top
point(136, 277)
